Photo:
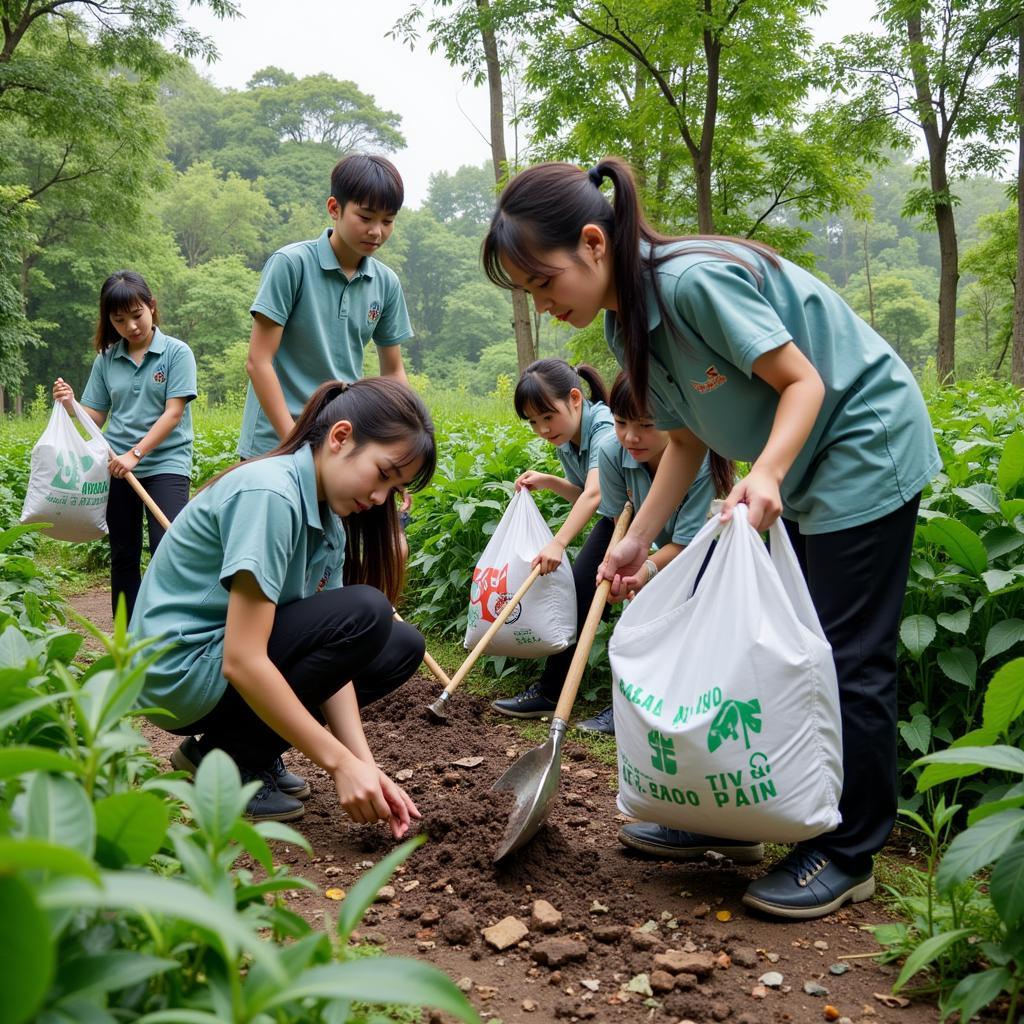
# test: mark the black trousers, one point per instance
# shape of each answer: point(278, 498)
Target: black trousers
point(858, 579)
point(124, 521)
point(319, 643)
point(584, 574)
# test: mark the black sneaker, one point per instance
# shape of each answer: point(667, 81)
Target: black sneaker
point(269, 803)
point(531, 703)
point(675, 844)
point(806, 884)
point(603, 722)
point(188, 755)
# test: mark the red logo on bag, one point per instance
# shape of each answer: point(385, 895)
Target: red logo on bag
point(713, 379)
point(490, 592)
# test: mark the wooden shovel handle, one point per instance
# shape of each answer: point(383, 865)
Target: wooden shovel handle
point(571, 686)
point(482, 643)
point(148, 501)
point(439, 673)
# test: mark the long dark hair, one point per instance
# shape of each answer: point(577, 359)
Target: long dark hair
point(546, 381)
point(546, 207)
point(624, 405)
point(121, 292)
point(382, 411)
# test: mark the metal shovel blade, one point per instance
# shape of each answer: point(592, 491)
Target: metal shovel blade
point(437, 711)
point(534, 779)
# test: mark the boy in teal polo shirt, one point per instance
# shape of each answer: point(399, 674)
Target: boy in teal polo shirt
point(322, 301)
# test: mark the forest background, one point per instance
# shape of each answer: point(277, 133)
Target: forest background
point(850, 158)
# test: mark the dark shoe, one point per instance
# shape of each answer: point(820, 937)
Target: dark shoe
point(288, 782)
point(269, 803)
point(805, 884)
point(188, 755)
point(531, 703)
point(675, 844)
point(602, 722)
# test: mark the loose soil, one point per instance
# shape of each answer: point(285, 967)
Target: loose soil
point(619, 911)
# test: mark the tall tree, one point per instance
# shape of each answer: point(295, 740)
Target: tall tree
point(1017, 358)
point(934, 71)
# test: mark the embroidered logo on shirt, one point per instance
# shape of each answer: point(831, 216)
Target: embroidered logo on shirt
point(713, 379)
point(373, 313)
point(324, 579)
point(159, 376)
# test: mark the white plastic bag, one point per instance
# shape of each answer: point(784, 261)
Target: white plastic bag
point(69, 481)
point(545, 621)
point(726, 702)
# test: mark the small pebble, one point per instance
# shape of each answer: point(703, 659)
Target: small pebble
point(821, 944)
point(771, 978)
point(838, 968)
point(812, 988)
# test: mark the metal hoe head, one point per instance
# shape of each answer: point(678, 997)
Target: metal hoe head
point(534, 780)
point(437, 711)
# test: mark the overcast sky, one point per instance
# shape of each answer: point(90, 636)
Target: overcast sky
point(444, 120)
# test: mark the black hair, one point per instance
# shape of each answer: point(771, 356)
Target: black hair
point(121, 292)
point(370, 181)
point(624, 405)
point(546, 207)
point(546, 381)
point(382, 411)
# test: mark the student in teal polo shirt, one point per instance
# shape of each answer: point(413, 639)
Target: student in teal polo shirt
point(143, 380)
point(321, 302)
point(549, 397)
point(268, 646)
point(627, 464)
point(742, 351)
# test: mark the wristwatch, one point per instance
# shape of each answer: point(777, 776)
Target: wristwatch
point(137, 452)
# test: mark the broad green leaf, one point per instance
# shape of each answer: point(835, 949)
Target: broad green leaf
point(19, 760)
point(960, 664)
point(1006, 886)
point(978, 846)
point(936, 774)
point(1013, 508)
point(1013, 797)
point(1004, 698)
point(109, 972)
point(365, 890)
point(58, 811)
point(928, 951)
point(76, 1011)
point(26, 951)
point(975, 992)
point(130, 828)
point(107, 695)
point(1001, 758)
point(23, 709)
point(379, 981)
point(14, 648)
point(282, 833)
point(63, 647)
point(218, 795)
point(1002, 540)
point(997, 579)
point(983, 497)
point(180, 1017)
point(955, 622)
point(917, 632)
point(1011, 462)
point(10, 535)
point(253, 843)
point(917, 733)
point(1002, 636)
point(39, 855)
point(960, 542)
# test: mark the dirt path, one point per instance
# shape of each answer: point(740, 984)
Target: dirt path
point(631, 939)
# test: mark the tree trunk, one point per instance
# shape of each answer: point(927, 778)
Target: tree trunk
point(702, 164)
point(867, 275)
point(1017, 359)
point(526, 348)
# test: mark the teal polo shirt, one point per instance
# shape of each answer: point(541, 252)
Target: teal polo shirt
point(871, 449)
point(623, 478)
point(596, 425)
point(262, 517)
point(135, 397)
point(328, 321)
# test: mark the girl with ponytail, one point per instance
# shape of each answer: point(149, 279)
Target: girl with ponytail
point(735, 349)
point(268, 647)
point(549, 396)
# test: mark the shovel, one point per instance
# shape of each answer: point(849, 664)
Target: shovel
point(437, 710)
point(535, 776)
point(148, 501)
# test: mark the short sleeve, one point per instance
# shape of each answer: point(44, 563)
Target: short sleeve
point(693, 513)
point(613, 483)
point(393, 325)
point(97, 394)
point(719, 300)
point(279, 288)
point(259, 531)
point(181, 373)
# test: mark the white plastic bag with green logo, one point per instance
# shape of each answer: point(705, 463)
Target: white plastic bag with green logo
point(545, 620)
point(69, 481)
point(726, 703)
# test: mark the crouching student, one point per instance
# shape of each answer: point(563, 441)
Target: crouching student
point(269, 647)
point(627, 464)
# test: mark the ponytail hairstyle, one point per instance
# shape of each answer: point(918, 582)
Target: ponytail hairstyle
point(382, 411)
point(546, 207)
point(546, 381)
point(122, 292)
point(623, 404)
